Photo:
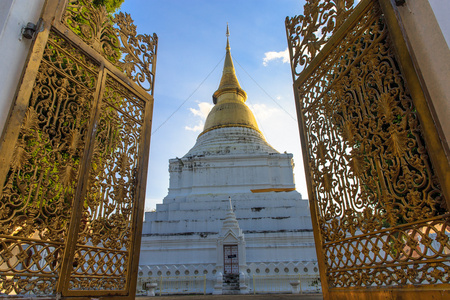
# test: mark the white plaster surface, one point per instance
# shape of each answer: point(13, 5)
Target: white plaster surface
point(427, 27)
point(14, 14)
point(226, 161)
point(441, 9)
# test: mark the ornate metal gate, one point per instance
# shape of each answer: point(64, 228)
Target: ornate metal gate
point(378, 178)
point(74, 156)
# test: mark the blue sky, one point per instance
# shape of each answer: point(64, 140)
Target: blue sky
point(192, 46)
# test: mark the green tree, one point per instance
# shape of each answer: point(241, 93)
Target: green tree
point(111, 5)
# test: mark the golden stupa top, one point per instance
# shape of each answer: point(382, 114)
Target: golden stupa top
point(229, 82)
point(230, 109)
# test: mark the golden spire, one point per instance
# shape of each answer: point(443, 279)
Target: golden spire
point(230, 109)
point(229, 82)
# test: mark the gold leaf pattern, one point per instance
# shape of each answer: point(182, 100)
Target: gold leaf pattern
point(397, 142)
point(31, 121)
point(20, 157)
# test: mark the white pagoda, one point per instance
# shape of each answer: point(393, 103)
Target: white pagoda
point(232, 221)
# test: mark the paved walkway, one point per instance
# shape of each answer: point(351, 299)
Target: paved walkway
point(238, 297)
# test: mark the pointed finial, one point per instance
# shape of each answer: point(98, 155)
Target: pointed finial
point(231, 206)
point(228, 42)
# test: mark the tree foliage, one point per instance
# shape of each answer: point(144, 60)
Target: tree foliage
point(110, 5)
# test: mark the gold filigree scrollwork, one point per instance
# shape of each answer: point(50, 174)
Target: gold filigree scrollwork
point(93, 263)
point(40, 186)
point(308, 33)
point(139, 52)
point(78, 144)
point(380, 205)
point(94, 26)
point(107, 215)
point(115, 38)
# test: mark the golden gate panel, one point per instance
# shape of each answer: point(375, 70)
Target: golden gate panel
point(73, 179)
point(102, 254)
point(381, 215)
point(40, 186)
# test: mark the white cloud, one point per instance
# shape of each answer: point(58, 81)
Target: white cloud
point(150, 203)
point(202, 112)
point(272, 55)
point(262, 112)
point(198, 127)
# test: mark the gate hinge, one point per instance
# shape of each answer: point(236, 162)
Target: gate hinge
point(29, 30)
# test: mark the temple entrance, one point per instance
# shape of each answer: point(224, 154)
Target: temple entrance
point(230, 259)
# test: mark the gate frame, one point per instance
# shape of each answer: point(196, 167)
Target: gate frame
point(422, 102)
point(51, 19)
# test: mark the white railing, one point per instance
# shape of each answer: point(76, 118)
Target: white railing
point(171, 285)
point(277, 284)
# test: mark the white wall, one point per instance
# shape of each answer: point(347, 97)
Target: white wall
point(441, 9)
point(14, 14)
point(427, 27)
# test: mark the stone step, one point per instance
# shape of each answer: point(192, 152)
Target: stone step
point(230, 292)
point(231, 284)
